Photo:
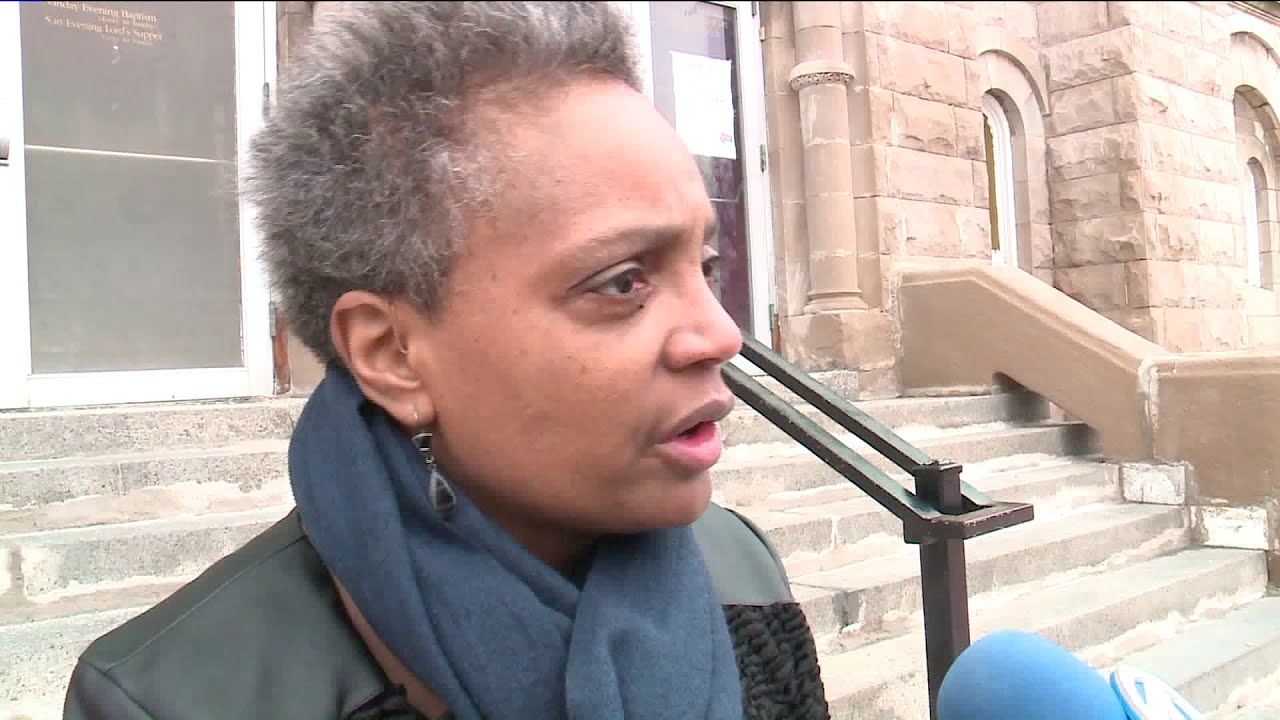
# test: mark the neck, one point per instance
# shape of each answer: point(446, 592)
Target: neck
point(561, 549)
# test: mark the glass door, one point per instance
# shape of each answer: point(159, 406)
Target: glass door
point(128, 267)
point(704, 70)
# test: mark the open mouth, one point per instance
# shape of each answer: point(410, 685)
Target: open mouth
point(697, 431)
point(693, 430)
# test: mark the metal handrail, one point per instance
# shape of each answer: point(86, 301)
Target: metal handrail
point(939, 516)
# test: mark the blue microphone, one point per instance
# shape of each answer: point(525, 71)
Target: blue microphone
point(1015, 675)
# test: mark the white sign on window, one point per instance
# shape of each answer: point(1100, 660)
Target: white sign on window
point(703, 89)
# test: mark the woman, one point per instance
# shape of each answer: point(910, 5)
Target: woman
point(478, 221)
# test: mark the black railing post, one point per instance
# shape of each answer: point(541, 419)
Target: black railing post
point(943, 583)
point(939, 516)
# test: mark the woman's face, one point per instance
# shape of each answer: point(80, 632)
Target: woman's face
point(578, 337)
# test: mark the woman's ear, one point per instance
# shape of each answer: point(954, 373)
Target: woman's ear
point(377, 341)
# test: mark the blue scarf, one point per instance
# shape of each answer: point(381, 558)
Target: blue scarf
point(487, 626)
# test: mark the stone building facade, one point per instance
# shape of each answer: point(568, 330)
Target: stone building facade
point(1124, 152)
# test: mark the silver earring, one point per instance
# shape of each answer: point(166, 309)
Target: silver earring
point(442, 496)
point(422, 441)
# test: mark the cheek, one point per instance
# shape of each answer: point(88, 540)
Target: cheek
point(542, 381)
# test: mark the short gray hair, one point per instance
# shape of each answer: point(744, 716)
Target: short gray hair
point(366, 171)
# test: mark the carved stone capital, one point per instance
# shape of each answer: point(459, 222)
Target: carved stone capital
point(818, 72)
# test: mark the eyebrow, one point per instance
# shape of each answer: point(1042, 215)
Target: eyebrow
point(637, 238)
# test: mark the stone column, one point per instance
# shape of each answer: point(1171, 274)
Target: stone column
point(819, 79)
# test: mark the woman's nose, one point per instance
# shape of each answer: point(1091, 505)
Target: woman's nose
point(706, 335)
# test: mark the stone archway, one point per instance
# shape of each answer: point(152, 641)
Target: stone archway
point(1258, 155)
point(1008, 90)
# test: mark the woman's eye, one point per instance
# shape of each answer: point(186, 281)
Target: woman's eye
point(711, 268)
point(622, 284)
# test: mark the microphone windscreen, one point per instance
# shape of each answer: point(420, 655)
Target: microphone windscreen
point(1015, 675)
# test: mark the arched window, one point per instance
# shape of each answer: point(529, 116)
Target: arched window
point(1254, 184)
point(1000, 182)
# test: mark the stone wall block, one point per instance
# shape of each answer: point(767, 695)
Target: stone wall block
point(922, 72)
point(1091, 197)
point(1166, 149)
point(915, 175)
point(928, 229)
point(975, 231)
point(981, 185)
point(1264, 333)
point(1139, 97)
point(960, 23)
point(1040, 235)
point(1060, 22)
point(1139, 321)
point(1205, 71)
point(1159, 56)
point(1199, 113)
point(1172, 237)
point(1138, 14)
point(923, 125)
point(1094, 57)
point(1182, 21)
point(1083, 107)
point(969, 134)
point(1101, 287)
point(1101, 240)
point(921, 23)
point(1108, 149)
point(869, 164)
point(1219, 243)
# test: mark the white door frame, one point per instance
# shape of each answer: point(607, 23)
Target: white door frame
point(750, 69)
point(255, 27)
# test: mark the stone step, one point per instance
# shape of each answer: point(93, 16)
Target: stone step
point(147, 427)
point(14, 610)
point(30, 483)
point(887, 679)
point(828, 527)
point(747, 474)
point(247, 464)
point(882, 594)
point(1217, 663)
point(112, 430)
point(745, 425)
point(59, 564)
point(843, 382)
point(36, 660)
point(1268, 709)
point(148, 503)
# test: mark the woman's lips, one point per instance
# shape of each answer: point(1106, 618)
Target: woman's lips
point(696, 449)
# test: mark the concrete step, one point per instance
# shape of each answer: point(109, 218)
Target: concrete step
point(1268, 709)
point(30, 483)
point(54, 565)
point(247, 464)
point(843, 382)
point(26, 485)
point(827, 527)
point(887, 679)
point(148, 503)
point(36, 660)
point(747, 474)
point(745, 425)
point(1219, 663)
point(88, 432)
point(147, 427)
point(881, 595)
